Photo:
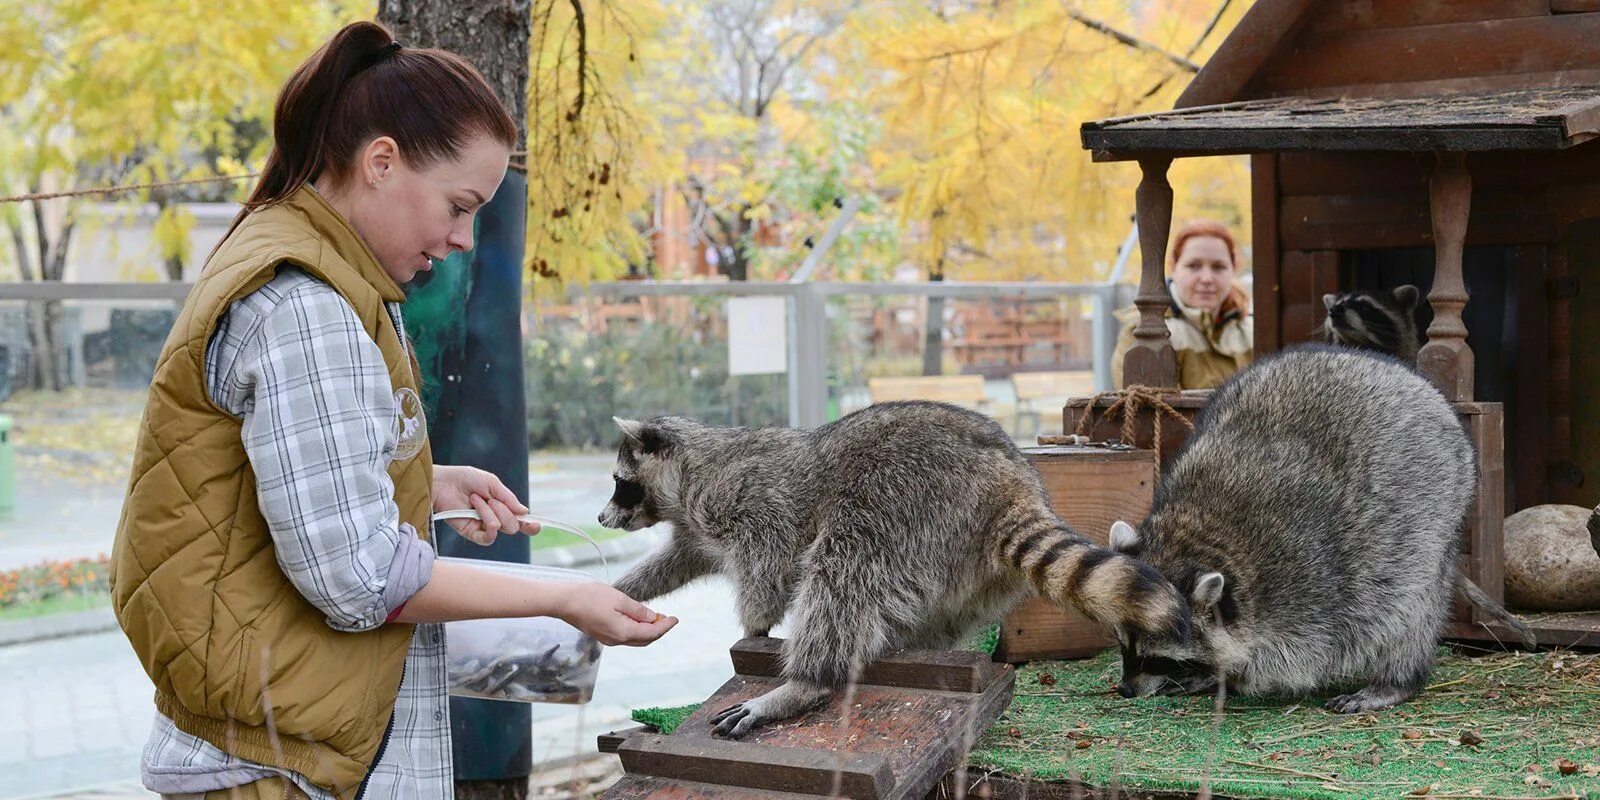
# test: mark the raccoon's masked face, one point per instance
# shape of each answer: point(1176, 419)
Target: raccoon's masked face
point(1369, 319)
point(1170, 664)
point(645, 480)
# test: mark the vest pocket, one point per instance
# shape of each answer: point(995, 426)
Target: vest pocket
point(248, 702)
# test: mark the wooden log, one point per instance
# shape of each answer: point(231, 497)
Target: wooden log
point(640, 787)
point(1268, 249)
point(1447, 359)
point(1541, 44)
point(1354, 15)
point(1152, 361)
point(933, 670)
point(757, 766)
point(609, 742)
point(1090, 488)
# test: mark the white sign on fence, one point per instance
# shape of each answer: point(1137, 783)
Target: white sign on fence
point(758, 335)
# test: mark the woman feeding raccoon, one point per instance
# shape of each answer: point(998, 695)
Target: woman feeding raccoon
point(1311, 525)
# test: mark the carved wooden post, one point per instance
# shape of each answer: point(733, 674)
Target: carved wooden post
point(1447, 359)
point(1152, 361)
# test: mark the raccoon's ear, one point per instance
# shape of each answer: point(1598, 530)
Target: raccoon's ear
point(652, 440)
point(1123, 537)
point(1328, 301)
point(631, 428)
point(1406, 296)
point(1207, 591)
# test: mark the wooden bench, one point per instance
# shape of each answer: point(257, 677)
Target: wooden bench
point(961, 390)
point(1038, 390)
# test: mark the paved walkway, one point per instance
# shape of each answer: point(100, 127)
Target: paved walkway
point(78, 710)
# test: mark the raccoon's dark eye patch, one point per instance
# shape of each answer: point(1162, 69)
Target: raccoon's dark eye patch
point(1157, 665)
point(629, 494)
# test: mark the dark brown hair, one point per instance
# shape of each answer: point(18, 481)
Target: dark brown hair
point(363, 84)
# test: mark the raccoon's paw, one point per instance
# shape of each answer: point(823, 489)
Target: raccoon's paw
point(736, 720)
point(779, 704)
point(1371, 698)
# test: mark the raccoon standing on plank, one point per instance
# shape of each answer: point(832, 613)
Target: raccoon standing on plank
point(1381, 321)
point(1312, 522)
point(903, 525)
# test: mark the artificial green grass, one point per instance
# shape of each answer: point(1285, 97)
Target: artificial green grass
point(552, 538)
point(1531, 711)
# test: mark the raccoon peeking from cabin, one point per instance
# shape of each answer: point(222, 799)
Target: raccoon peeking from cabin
point(1312, 525)
point(902, 525)
point(1384, 321)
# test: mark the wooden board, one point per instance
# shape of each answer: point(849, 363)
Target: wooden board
point(1267, 249)
point(909, 721)
point(1090, 488)
point(1354, 15)
point(1436, 52)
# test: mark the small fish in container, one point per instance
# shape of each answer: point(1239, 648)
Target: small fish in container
point(522, 659)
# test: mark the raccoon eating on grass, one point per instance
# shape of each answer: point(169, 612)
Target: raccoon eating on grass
point(1382, 321)
point(902, 525)
point(1312, 524)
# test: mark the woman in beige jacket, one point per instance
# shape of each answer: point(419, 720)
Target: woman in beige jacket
point(1209, 317)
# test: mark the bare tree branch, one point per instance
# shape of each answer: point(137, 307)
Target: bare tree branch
point(1131, 40)
point(1194, 48)
point(583, 59)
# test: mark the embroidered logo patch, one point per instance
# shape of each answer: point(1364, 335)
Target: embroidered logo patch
point(411, 424)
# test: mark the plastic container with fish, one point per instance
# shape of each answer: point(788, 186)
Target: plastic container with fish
point(521, 659)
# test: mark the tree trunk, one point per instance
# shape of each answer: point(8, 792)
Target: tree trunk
point(43, 372)
point(492, 34)
point(46, 371)
point(933, 329)
point(465, 320)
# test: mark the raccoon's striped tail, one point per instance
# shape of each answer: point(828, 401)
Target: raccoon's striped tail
point(1487, 605)
point(1107, 586)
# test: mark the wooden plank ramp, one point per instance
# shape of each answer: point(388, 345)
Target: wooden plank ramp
point(911, 719)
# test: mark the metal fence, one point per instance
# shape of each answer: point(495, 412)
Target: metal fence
point(815, 346)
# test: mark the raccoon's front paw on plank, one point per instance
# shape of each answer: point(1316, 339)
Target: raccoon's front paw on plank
point(736, 720)
point(1371, 698)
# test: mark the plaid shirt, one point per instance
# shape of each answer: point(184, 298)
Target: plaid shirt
point(293, 362)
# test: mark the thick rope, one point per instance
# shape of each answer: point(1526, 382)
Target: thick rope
point(1129, 402)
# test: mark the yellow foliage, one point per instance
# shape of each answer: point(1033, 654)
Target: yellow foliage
point(983, 111)
point(590, 166)
point(171, 232)
point(95, 93)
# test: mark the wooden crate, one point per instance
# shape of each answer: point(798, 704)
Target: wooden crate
point(1090, 488)
point(910, 720)
point(1173, 432)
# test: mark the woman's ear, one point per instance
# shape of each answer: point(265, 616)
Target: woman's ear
point(378, 159)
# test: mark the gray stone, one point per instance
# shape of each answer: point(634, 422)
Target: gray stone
point(1550, 563)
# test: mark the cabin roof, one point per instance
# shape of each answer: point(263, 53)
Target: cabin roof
point(1511, 119)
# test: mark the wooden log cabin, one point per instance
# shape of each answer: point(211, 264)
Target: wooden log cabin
point(1441, 143)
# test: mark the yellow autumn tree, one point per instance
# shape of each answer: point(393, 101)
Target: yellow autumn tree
point(981, 114)
point(594, 142)
point(95, 93)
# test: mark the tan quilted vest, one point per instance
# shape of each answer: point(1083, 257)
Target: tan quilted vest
point(238, 657)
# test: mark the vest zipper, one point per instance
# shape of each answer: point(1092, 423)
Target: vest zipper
point(383, 744)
